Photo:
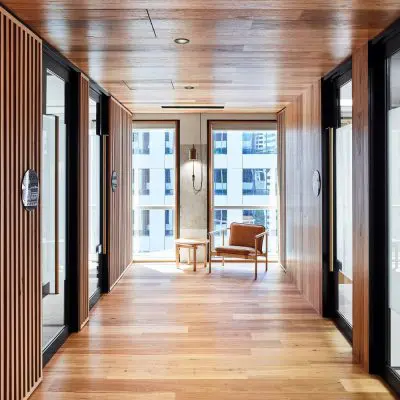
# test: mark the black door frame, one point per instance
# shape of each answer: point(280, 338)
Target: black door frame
point(70, 310)
point(70, 73)
point(330, 85)
point(97, 96)
point(380, 49)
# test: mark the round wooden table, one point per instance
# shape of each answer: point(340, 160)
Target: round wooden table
point(191, 244)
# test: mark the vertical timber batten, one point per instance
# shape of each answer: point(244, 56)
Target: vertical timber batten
point(119, 203)
point(20, 278)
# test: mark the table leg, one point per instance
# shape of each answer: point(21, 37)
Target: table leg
point(194, 258)
point(188, 260)
point(205, 256)
point(177, 256)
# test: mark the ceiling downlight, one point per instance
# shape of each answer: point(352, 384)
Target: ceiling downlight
point(182, 40)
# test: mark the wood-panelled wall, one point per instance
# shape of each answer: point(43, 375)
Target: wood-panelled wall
point(20, 275)
point(281, 186)
point(119, 239)
point(83, 207)
point(360, 150)
point(303, 212)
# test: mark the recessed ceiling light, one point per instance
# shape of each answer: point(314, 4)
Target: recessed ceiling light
point(189, 87)
point(181, 41)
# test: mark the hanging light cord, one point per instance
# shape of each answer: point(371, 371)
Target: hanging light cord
point(199, 189)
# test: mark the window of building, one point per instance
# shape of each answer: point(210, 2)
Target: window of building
point(220, 218)
point(244, 177)
point(169, 184)
point(259, 143)
point(169, 223)
point(144, 223)
point(256, 181)
point(141, 143)
point(144, 182)
point(169, 142)
point(220, 181)
point(257, 217)
point(141, 226)
point(154, 200)
point(220, 143)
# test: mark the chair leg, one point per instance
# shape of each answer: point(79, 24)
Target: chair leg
point(266, 262)
point(209, 259)
point(177, 256)
point(223, 261)
point(255, 268)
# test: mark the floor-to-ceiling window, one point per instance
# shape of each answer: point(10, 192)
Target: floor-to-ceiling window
point(154, 187)
point(244, 176)
point(53, 203)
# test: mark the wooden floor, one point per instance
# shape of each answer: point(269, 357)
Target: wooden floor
point(172, 334)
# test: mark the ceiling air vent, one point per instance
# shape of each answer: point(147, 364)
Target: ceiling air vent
point(191, 107)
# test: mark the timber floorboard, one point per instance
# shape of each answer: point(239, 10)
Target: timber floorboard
point(174, 334)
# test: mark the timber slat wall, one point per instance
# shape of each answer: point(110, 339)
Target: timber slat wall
point(303, 210)
point(360, 160)
point(20, 277)
point(119, 240)
point(83, 209)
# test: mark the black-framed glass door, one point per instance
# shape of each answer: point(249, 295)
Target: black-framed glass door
point(54, 205)
point(393, 209)
point(95, 192)
point(385, 212)
point(337, 210)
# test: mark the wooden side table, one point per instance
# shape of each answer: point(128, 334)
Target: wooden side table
point(191, 244)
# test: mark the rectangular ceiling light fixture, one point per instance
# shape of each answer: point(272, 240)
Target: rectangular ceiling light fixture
point(191, 107)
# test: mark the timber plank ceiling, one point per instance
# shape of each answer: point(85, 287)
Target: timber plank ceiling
point(248, 55)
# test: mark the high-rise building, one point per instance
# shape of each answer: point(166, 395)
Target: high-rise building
point(153, 190)
point(245, 180)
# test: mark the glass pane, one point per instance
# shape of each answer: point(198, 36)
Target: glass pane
point(344, 216)
point(53, 208)
point(94, 198)
point(250, 158)
point(153, 189)
point(393, 147)
point(346, 103)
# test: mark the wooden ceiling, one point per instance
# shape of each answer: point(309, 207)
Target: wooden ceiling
point(249, 55)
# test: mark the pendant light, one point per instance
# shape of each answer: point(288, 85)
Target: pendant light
point(193, 158)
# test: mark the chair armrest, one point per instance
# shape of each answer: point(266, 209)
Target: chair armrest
point(212, 233)
point(258, 237)
point(261, 235)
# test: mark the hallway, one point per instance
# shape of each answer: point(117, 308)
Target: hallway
point(167, 334)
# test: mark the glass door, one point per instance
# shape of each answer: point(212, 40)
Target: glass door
point(393, 227)
point(54, 206)
point(338, 200)
point(95, 196)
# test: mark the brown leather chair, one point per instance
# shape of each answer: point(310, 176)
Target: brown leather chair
point(245, 241)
